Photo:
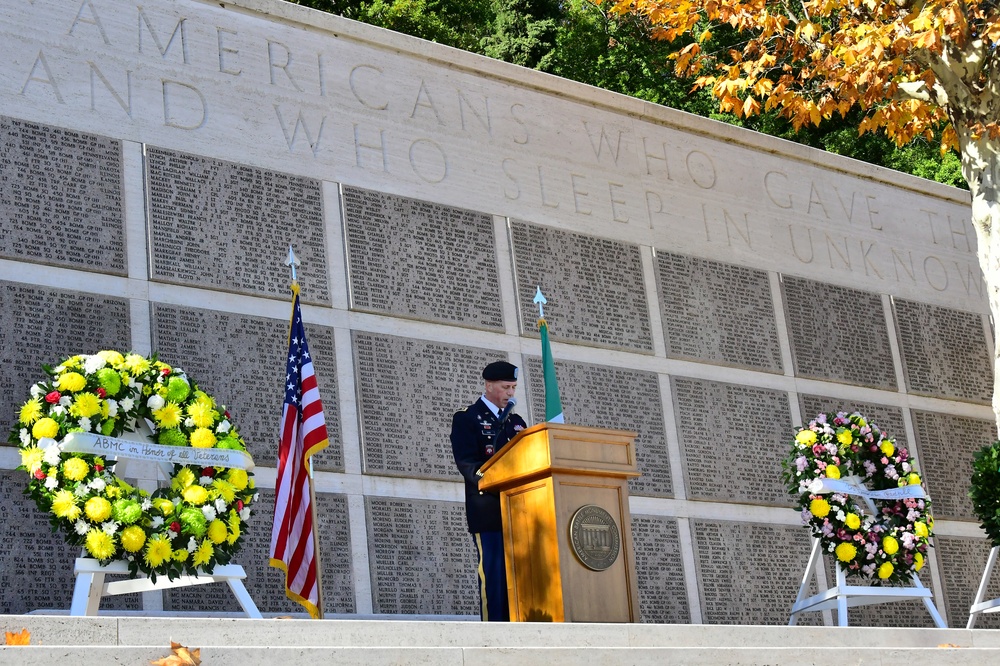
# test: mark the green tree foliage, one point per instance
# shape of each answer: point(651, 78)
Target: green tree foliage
point(524, 32)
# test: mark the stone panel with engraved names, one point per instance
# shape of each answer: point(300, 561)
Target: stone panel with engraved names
point(41, 326)
point(240, 360)
point(422, 559)
point(227, 226)
point(961, 563)
point(61, 197)
point(594, 287)
point(733, 439)
point(888, 419)
point(620, 398)
point(717, 312)
point(408, 391)
point(658, 563)
point(421, 260)
point(838, 334)
point(944, 352)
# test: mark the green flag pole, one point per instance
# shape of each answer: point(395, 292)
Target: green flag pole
point(553, 403)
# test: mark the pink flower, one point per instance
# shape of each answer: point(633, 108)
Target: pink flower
point(53, 397)
point(175, 527)
point(39, 474)
point(101, 393)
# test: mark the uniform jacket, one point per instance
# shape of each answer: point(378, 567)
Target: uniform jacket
point(475, 437)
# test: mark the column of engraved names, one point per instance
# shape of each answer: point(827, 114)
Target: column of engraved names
point(228, 226)
point(717, 312)
point(41, 326)
point(408, 391)
point(606, 397)
point(61, 197)
point(733, 439)
point(662, 594)
point(422, 260)
point(838, 333)
point(944, 351)
point(240, 361)
point(961, 561)
point(422, 559)
point(595, 288)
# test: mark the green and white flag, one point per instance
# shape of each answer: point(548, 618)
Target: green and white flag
point(553, 403)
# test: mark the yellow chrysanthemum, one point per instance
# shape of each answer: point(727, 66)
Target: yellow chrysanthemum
point(75, 469)
point(113, 492)
point(133, 538)
point(225, 489)
point(31, 458)
point(885, 570)
point(31, 411)
point(72, 382)
point(853, 521)
point(238, 477)
point(86, 405)
point(164, 506)
point(832, 472)
point(97, 509)
point(846, 551)
point(202, 414)
point(180, 555)
point(217, 531)
point(890, 545)
point(845, 436)
point(136, 364)
point(887, 447)
point(918, 561)
point(182, 479)
point(202, 438)
point(100, 544)
point(45, 428)
point(64, 505)
point(920, 529)
point(168, 416)
point(195, 495)
point(234, 527)
point(158, 551)
point(806, 437)
point(203, 553)
point(913, 479)
point(819, 507)
point(112, 357)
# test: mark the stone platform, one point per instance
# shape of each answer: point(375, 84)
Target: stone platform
point(104, 640)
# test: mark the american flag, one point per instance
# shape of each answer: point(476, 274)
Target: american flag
point(303, 433)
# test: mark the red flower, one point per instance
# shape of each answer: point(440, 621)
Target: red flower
point(39, 474)
point(175, 527)
point(53, 397)
point(226, 413)
point(165, 371)
point(101, 393)
point(98, 468)
point(239, 505)
point(208, 471)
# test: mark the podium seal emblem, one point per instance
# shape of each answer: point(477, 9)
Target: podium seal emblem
point(594, 537)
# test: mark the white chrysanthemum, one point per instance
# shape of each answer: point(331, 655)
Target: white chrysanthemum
point(25, 436)
point(112, 408)
point(155, 402)
point(223, 426)
point(127, 404)
point(36, 391)
point(110, 527)
point(208, 512)
point(81, 527)
point(52, 451)
point(192, 545)
point(189, 422)
point(245, 514)
point(97, 484)
point(65, 401)
point(58, 410)
point(176, 501)
point(81, 490)
point(92, 364)
point(255, 495)
point(220, 505)
point(85, 424)
point(205, 480)
point(156, 522)
point(51, 482)
point(146, 504)
point(816, 485)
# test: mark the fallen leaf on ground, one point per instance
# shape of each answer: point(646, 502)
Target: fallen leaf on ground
point(21, 638)
point(181, 656)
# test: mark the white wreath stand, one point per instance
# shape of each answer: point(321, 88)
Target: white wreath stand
point(90, 587)
point(978, 605)
point(842, 596)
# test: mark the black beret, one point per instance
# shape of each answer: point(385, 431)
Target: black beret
point(500, 371)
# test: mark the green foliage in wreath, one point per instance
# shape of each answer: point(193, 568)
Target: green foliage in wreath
point(191, 525)
point(984, 490)
point(832, 463)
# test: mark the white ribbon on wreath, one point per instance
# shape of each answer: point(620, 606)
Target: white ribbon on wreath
point(102, 445)
point(854, 485)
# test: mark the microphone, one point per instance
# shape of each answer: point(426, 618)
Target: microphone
point(507, 410)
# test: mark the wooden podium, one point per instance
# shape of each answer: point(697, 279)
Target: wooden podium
point(567, 528)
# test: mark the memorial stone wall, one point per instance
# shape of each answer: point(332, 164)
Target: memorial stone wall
point(708, 288)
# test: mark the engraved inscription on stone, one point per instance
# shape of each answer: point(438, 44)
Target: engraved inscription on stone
point(961, 562)
point(228, 226)
point(421, 260)
point(838, 334)
point(594, 537)
point(240, 361)
point(606, 397)
point(660, 570)
point(422, 559)
point(41, 326)
point(266, 584)
point(733, 439)
point(61, 197)
point(595, 289)
point(408, 391)
point(888, 419)
point(946, 445)
point(749, 573)
point(717, 312)
point(944, 352)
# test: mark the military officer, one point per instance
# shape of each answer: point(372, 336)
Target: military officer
point(477, 432)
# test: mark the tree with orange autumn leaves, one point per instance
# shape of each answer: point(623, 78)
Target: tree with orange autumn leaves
point(913, 68)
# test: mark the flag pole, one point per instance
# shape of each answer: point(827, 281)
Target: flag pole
point(292, 262)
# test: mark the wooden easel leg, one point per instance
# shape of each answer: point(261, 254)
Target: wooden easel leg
point(983, 584)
